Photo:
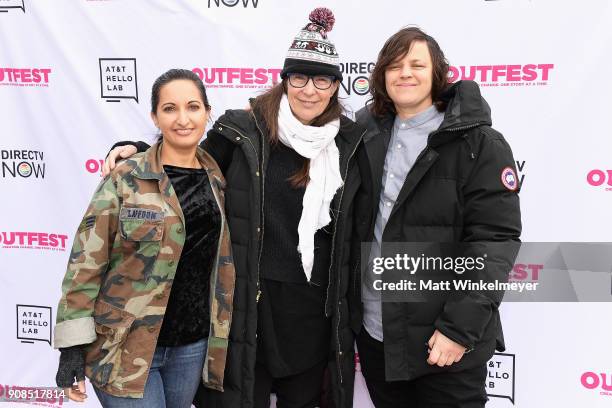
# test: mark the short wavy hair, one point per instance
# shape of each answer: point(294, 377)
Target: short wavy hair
point(396, 47)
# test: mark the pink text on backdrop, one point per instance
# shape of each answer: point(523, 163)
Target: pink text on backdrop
point(25, 75)
point(241, 76)
point(36, 240)
point(499, 73)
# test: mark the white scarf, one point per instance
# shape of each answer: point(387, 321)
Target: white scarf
point(316, 144)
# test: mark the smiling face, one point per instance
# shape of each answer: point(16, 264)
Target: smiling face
point(309, 102)
point(408, 80)
point(181, 114)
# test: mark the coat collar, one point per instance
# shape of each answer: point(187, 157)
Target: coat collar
point(151, 167)
point(465, 108)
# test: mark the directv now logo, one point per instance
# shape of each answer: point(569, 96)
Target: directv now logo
point(232, 3)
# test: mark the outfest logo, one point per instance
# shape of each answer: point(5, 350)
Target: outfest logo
point(525, 272)
point(597, 381)
point(33, 240)
point(600, 178)
point(503, 75)
point(94, 166)
point(238, 77)
point(25, 76)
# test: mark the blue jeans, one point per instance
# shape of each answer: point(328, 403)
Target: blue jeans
point(173, 379)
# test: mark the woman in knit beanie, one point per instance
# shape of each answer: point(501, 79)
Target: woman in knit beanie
point(293, 167)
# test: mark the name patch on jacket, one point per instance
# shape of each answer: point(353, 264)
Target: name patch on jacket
point(140, 214)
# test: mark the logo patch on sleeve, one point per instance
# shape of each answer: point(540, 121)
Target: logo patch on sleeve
point(509, 179)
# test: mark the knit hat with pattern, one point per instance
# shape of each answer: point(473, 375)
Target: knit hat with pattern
point(311, 52)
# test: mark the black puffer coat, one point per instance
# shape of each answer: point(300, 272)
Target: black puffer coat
point(238, 142)
point(455, 192)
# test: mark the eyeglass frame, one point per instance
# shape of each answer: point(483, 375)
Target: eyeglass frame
point(311, 77)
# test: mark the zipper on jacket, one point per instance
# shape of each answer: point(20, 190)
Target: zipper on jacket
point(260, 237)
point(262, 214)
point(335, 225)
point(458, 128)
point(339, 352)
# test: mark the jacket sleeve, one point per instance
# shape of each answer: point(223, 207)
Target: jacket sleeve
point(492, 228)
point(87, 265)
point(219, 148)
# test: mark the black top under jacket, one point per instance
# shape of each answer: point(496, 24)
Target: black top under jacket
point(187, 315)
point(293, 331)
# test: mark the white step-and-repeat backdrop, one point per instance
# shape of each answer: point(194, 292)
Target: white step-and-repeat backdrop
point(75, 77)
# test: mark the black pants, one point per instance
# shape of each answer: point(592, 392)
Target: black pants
point(302, 390)
point(464, 389)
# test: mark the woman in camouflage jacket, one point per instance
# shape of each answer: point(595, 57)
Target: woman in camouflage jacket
point(133, 245)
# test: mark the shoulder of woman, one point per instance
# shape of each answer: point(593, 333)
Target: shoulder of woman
point(126, 166)
point(239, 119)
point(236, 116)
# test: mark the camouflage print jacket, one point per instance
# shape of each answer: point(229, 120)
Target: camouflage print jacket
point(120, 273)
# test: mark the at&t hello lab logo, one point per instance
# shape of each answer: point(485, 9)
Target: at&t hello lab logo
point(503, 75)
point(356, 77)
point(261, 78)
point(118, 79)
point(22, 164)
point(34, 323)
point(597, 381)
point(6, 5)
point(33, 240)
point(600, 178)
point(232, 3)
point(500, 376)
point(24, 76)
